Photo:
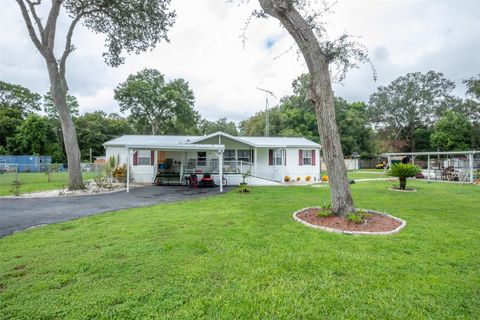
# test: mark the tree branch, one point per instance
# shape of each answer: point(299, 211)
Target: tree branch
point(68, 43)
point(51, 25)
point(30, 28)
point(36, 18)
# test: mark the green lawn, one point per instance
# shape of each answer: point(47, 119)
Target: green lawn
point(366, 174)
point(242, 256)
point(36, 181)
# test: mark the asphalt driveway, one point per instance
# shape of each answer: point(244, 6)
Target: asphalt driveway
point(20, 214)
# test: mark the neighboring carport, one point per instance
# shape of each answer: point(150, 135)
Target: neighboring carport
point(462, 163)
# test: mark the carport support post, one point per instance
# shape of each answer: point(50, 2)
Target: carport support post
point(428, 167)
point(255, 160)
point(128, 169)
point(220, 169)
point(470, 164)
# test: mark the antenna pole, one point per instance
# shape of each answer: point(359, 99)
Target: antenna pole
point(267, 118)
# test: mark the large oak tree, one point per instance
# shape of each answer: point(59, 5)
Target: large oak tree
point(319, 53)
point(158, 106)
point(410, 102)
point(129, 26)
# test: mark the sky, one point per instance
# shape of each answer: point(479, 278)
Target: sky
point(206, 50)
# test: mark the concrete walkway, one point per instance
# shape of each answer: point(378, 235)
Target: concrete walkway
point(20, 214)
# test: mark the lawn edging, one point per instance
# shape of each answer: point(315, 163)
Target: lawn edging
point(407, 190)
point(403, 223)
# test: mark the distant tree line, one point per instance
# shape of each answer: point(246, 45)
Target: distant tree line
point(415, 112)
point(29, 122)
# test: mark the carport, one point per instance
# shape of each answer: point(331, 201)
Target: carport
point(217, 148)
point(444, 165)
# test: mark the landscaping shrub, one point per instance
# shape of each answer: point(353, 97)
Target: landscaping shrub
point(403, 171)
point(325, 178)
point(308, 178)
point(325, 210)
point(324, 213)
point(287, 179)
point(358, 216)
point(298, 179)
point(120, 173)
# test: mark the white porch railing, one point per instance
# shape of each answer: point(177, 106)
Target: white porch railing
point(211, 166)
point(272, 173)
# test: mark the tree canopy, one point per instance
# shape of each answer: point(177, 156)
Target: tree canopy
point(409, 102)
point(295, 117)
point(35, 135)
point(207, 127)
point(95, 128)
point(157, 106)
point(452, 132)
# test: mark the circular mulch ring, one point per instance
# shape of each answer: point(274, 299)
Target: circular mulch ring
point(400, 190)
point(377, 224)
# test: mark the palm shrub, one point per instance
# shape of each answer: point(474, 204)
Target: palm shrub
point(403, 171)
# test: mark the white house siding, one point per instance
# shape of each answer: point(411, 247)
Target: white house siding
point(294, 170)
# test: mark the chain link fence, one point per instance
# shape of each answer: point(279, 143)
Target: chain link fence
point(20, 178)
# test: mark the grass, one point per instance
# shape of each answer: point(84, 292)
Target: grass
point(366, 174)
point(36, 181)
point(242, 256)
point(363, 174)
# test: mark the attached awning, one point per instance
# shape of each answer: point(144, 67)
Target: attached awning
point(219, 148)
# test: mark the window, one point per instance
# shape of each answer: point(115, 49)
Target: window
point(214, 165)
point(307, 157)
point(144, 158)
point(229, 155)
point(244, 155)
point(202, 159)
point(278, 157)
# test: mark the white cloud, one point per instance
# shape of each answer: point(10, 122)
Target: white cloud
point(205, 49)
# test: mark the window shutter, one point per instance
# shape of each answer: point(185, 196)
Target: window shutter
point(300, 157)
point(152, 157)
point(270, 157)
point(285, 157)
point(135, 158)
point(313, 157)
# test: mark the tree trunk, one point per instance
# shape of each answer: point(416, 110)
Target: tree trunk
point(403, 183)
point(58, 90)
point(322, 97)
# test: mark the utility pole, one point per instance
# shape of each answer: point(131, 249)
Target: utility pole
point(267, 118)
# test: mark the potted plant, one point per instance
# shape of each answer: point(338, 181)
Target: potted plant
point(403, 171)
point(243, 184)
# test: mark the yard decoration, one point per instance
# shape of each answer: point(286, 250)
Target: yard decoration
point(403, 171)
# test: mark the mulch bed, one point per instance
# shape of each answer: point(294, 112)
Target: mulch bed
point(374, 223)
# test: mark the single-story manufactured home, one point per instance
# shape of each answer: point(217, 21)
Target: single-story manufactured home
point(267, 159)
